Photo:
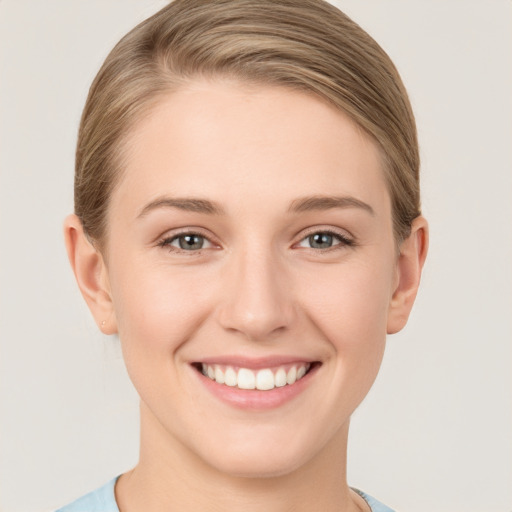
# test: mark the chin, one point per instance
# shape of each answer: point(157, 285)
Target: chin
point(258, 465)
point(260, 456)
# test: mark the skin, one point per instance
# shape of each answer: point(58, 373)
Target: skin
point(257, 288)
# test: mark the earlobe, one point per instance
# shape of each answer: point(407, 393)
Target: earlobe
point(413, 252)
point(91, 274)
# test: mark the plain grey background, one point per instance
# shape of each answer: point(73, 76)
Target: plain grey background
point(435, 433)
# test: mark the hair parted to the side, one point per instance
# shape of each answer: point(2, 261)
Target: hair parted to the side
point(307, 45)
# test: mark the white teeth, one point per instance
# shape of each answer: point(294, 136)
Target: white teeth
point(301, 372)
point(246, 379)
point(263, 380)
point(230, 377)
point(219, 375)
point(291, 376)
point(280, 378)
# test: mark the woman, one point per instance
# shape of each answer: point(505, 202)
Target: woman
point(247, 219)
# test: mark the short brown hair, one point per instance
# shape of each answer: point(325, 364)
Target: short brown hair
point(307, 45)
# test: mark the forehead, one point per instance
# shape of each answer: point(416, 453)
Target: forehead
point(233, 142)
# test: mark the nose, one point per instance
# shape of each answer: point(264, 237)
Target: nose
point(258, 297)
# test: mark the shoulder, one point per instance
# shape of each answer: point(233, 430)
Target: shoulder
point(100, 500)
point(376, 506)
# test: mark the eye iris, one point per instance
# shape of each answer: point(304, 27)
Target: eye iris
point(190, 242)
point(320, 240)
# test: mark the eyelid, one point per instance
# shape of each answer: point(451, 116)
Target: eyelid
point(165, 239)
point(176, 238)
point(344, 237)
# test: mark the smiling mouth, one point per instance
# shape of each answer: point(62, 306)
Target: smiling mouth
point(263, 379)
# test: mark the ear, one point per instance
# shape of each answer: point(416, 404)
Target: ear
point(413, 252)
point(91, 274)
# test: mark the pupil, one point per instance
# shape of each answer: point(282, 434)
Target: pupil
point(189, 242)
point(320, 240)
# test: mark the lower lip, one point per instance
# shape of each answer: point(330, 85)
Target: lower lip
point(253, 398)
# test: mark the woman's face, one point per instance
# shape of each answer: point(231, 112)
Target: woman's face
point(250, 238)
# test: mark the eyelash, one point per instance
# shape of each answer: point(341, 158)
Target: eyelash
point(168, 240)
point(343, 241)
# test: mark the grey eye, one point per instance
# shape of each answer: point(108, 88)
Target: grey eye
point(186, 242)
point(321, 240)
point(189, 242)
point(325, 240)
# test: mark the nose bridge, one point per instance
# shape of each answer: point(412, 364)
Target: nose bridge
point(258, 302)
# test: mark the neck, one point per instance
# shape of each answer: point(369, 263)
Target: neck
point(171, 477)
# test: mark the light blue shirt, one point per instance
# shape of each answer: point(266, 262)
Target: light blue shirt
point(100, 500)
point(103, 500)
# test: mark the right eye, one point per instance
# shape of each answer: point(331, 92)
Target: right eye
point(189, 242)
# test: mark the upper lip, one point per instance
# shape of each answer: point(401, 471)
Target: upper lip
point(254, 362)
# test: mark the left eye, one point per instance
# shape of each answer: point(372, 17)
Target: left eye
point(323, 240)
point(188, 242)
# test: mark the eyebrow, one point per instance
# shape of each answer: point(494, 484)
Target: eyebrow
point(302, 204)
point(310, 203)
point(189, 204)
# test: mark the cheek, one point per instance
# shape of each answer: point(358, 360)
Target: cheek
point(350, 312)
point(156, 308)
point(350, 303)
point(156, 313)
